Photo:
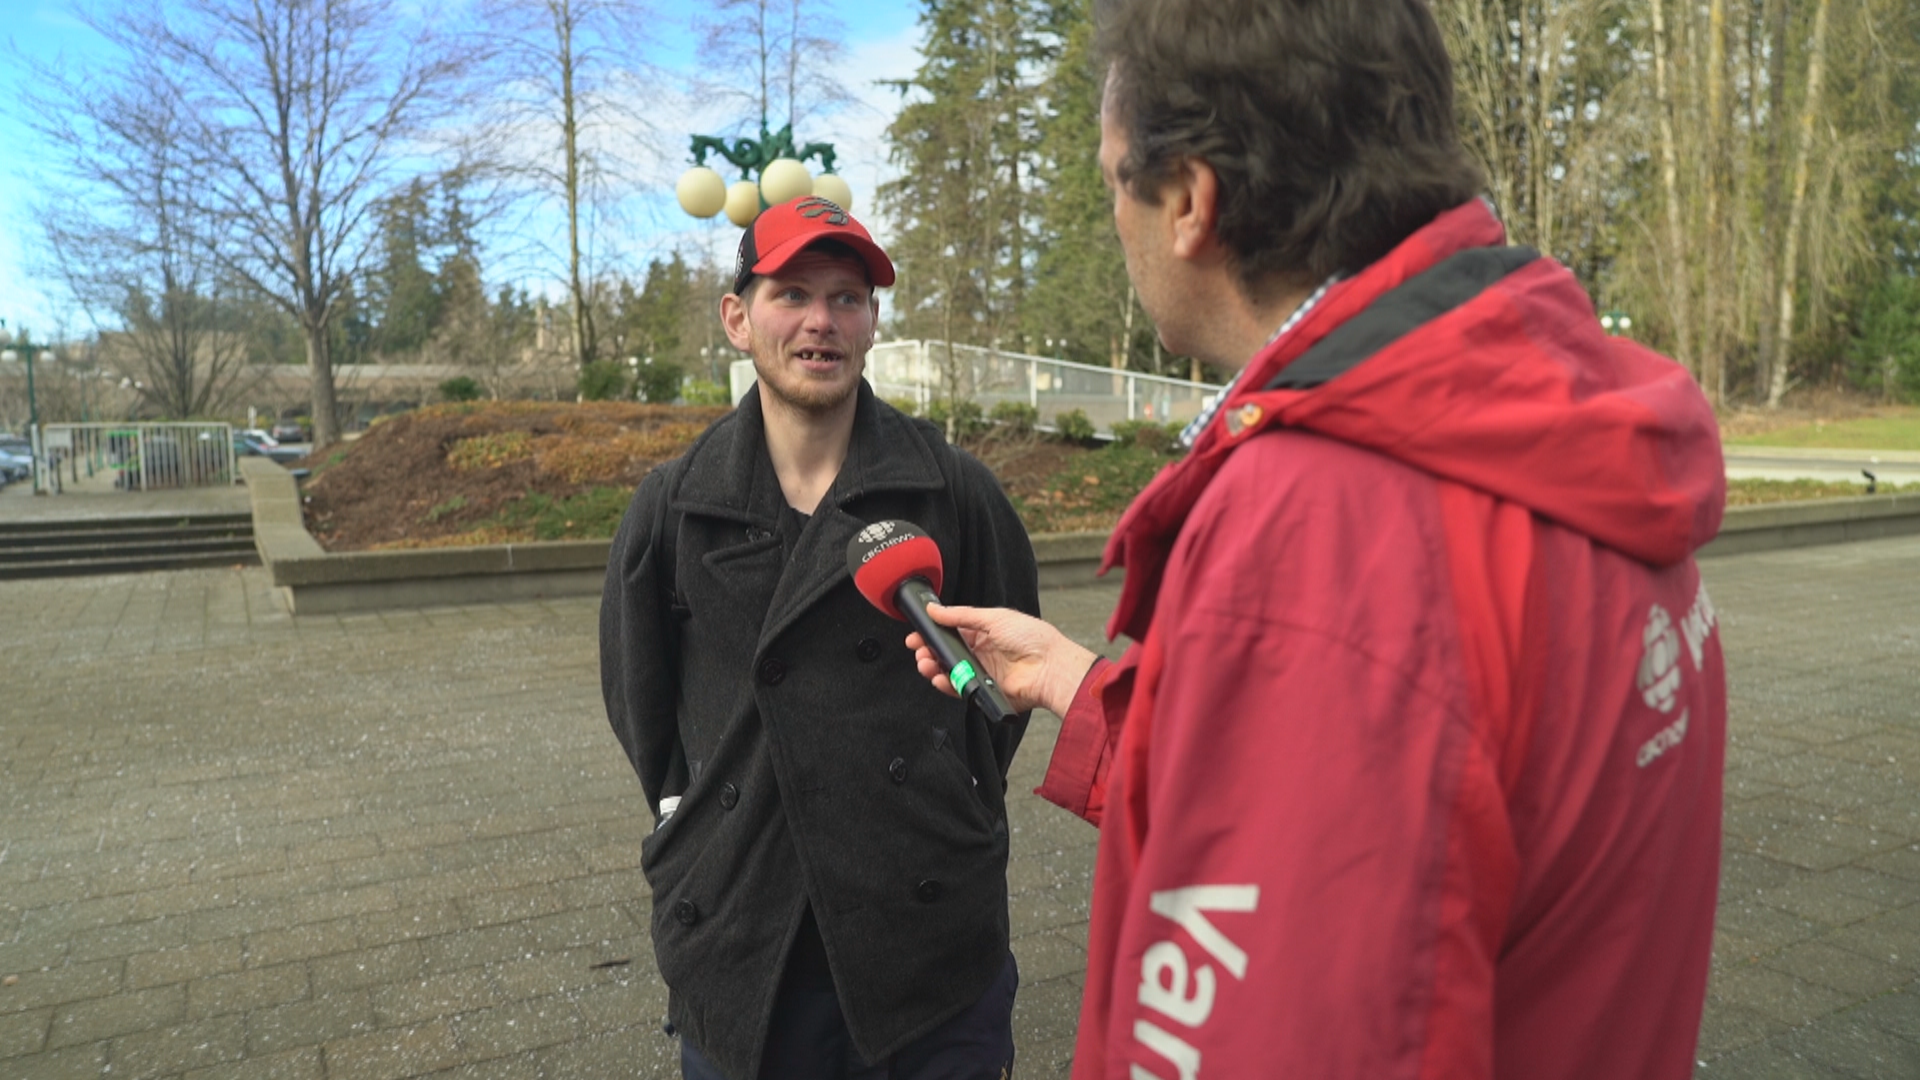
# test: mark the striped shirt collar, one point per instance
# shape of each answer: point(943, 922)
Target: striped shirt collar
point(1191, 433)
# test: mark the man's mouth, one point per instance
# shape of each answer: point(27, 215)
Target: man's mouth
point(819, 356)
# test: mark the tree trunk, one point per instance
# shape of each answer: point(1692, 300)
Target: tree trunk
point(583, 344)
point(1796, 211)
point(1779, 19)
point(1676, 261)
point(1717, 236)
point(326, 431)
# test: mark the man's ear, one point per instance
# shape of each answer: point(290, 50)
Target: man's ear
point(733, 317)
point(1193, 197)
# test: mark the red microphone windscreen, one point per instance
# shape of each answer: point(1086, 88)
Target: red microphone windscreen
point(888, 553)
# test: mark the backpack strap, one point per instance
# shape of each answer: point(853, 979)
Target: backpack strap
point(666, 537)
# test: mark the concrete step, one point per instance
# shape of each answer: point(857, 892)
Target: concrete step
point(126, 564)
point(70, 547)
point(128, 525)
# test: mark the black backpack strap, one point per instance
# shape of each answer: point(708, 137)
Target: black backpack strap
point(666, 537)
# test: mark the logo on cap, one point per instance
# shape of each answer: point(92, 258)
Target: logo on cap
point(814, 206)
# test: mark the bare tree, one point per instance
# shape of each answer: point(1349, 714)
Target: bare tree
point(568, 120)
point(791, 48)
point(297, 115)
point(130, 251)
point(1797, 202)
point(1535, 93)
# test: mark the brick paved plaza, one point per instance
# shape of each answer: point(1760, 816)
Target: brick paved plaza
point(237, 844)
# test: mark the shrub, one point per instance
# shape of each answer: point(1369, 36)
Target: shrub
point(1145, 434)
point(461, 388)
point(1884, 355)
point(907, 405)
point(602, 380)
point(1073, 426)
point(490, 451)
point(591, 513)
point(452, 506)
point(959, 419)
point(702, 392)
point(1017, 417)
point(657, 383)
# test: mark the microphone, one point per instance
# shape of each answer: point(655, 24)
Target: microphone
point(896, 566)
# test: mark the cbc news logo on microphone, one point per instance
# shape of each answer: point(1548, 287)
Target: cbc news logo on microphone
point(875, 532)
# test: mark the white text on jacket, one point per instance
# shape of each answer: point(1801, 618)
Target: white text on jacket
point(1177, 990)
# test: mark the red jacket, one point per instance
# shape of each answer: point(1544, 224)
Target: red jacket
point(1416, 769)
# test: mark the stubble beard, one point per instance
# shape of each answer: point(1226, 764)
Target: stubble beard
point(795, 391)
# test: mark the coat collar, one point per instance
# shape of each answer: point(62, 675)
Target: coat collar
point(728, 473)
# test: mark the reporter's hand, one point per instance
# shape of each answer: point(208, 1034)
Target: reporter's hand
point(1034, 663)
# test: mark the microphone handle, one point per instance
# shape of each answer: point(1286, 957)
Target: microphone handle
point(963, 668)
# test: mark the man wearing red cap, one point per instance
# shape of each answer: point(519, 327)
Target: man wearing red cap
point(829, 863)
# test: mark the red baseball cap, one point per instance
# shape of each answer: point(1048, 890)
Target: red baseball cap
point(784, 231)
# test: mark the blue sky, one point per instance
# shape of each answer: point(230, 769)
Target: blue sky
point(880, 43)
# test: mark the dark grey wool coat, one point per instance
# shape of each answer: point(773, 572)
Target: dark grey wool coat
point(813, 761)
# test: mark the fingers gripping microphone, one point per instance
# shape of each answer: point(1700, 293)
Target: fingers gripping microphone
point(897, 568)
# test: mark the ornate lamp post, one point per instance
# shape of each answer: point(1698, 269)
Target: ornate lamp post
point(1615, 322)
point(775, 172)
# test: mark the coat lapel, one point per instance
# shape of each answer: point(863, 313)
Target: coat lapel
point(887, 454)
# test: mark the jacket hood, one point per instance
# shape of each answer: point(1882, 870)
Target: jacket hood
point(1509, 385)
point(1517, 391)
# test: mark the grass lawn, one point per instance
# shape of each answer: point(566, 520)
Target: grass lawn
point(1893, 429)
point(1755, 492)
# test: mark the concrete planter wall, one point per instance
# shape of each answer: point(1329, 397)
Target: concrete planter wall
point(312, 581)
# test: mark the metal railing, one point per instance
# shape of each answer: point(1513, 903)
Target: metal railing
point(106, 457)
point(928, 371)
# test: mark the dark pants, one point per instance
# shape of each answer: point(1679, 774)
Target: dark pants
point(808, 1038)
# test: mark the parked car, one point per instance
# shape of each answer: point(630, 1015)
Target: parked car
point(16, 461)
point(245, 445)
point(260, 435)
point(288, 431)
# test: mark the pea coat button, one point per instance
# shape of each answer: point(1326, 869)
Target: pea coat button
point(926, 892)
point(687, 912)
point(772, 671)
point(729, 796)
point(868, 649)
point(897, 768)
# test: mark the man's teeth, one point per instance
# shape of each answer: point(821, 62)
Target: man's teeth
point(809, 354)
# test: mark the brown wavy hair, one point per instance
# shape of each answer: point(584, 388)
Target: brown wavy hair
point(1328, 122)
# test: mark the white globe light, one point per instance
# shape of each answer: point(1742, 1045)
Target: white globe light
point(785, 180)
point(833, 189)
point(701, 191)
point(1626, 323)
point(743, 202)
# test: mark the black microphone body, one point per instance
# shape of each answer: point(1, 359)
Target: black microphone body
point(897, 567)
point(964, 670)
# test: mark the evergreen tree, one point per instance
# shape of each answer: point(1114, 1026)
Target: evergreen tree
point(1080, 291)
point(402, 293)
point(966, 142)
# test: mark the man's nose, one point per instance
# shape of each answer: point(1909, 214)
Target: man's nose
point(819, 315)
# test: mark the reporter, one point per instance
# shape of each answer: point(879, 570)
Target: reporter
point(1415, 766)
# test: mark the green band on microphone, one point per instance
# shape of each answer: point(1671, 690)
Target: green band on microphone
point(962, 675)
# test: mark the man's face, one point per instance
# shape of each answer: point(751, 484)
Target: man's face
point(808, 328)
point(1142, 227)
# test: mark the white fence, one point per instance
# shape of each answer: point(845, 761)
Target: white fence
point(924, 371)
point(131, 457)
